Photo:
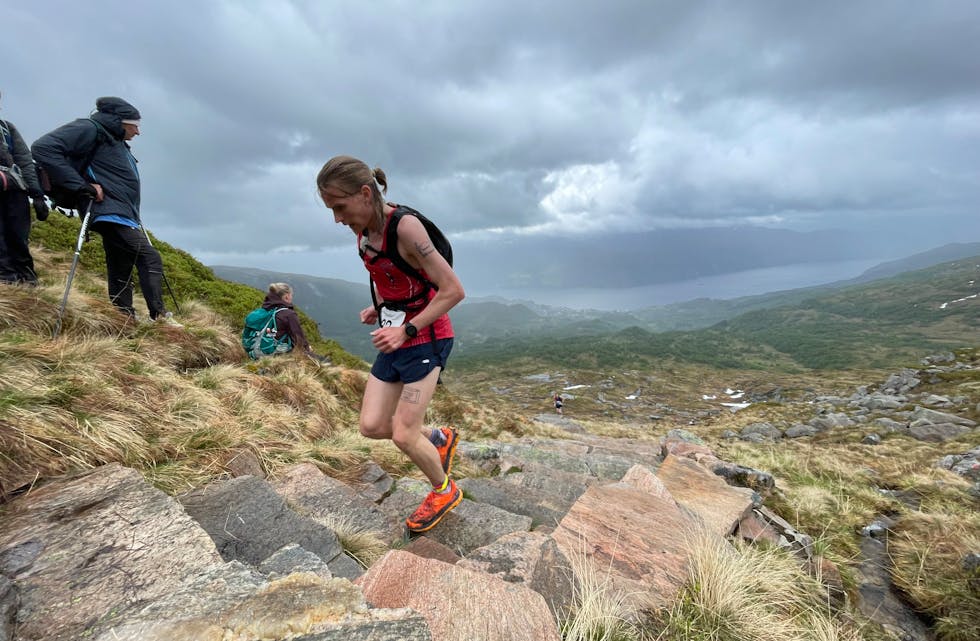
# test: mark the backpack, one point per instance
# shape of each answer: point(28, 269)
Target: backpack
point(439, 241)
point(59, 195)
point(259, 335)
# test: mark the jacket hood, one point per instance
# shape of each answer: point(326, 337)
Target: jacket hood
point(271, 300)
point(111, 111)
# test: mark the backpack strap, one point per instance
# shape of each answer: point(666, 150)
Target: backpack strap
point(272, 320)
point(391, 252)
point(391, 245)
point(8, 139)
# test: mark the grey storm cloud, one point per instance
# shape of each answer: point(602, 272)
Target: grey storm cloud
point(516, 119)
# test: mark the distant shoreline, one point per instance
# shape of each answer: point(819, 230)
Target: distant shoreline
point(750, 282)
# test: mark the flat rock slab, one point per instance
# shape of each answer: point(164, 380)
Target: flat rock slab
point(469, 526)
point(533, 560)
point(459, 604)
point(634, 537)
point(720, 505)
point(249, 522)
point(540, 507)
point(82, 548)
point(564, 487)
point(300, 607)
point(326, 500)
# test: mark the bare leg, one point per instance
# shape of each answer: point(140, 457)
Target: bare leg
point(396, 411)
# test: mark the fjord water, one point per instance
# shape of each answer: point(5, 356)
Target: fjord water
point(724, 286)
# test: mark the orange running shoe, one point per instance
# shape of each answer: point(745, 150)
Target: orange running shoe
point(433, 508)
point(448, 449)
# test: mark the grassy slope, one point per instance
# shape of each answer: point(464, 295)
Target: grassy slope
point(189, 280)
point(178, 404)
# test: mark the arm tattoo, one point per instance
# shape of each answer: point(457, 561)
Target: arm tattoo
point(424, 248)
point(411, 395)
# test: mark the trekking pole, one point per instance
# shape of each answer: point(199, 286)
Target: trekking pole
point(74, 264)
point(162, 273)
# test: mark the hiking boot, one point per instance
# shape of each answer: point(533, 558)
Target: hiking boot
point(448, 449)
point(433, 508)
point(167, 318)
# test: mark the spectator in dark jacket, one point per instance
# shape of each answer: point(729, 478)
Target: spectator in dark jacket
point(280, 295)
point(112, 182)
point(17, 181)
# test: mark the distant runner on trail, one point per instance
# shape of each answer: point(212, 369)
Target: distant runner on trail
point(415, 335)
point(559, 402)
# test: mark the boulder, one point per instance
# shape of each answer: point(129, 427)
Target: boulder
point(924, 415)
point(830, 421)
point(458, 603)
point(767, 431)
point(469, 526)
point(248, 522)
point(427, 548)
point(292, 558)
point(936, 432)
point(635, 538)
point(798, 430)
point(531, 559)
point(719, 505)
point(328, 501)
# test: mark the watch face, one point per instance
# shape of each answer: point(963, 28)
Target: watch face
point(411, 330)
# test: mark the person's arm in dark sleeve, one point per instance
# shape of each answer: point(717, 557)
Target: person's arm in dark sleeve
point(23, 159)
point(293, 328)
point(54, 151)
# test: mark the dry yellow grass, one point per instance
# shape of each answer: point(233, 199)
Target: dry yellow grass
point(745, 593)
point(600, 610)
point(172, 403)
point(927, 552)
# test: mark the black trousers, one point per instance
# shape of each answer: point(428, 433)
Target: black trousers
point(16, 263)
point(126, 248)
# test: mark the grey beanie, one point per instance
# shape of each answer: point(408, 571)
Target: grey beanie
point(117, 107)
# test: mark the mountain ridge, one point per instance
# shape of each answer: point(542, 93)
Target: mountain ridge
point(480, 320)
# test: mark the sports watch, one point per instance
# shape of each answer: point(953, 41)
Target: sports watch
point(411, 330)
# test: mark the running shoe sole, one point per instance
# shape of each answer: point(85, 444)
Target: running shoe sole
point(425, 527)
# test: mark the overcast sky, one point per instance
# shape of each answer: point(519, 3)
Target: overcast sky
point(530, 119)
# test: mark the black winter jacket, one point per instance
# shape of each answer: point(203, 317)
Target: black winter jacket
point(21, 156)
point(113, 166)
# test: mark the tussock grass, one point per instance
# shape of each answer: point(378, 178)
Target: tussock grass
point(601, 611)
point(927, 553)
point(171, 402)
point(832, 487)
point(746, 593)
point(362, 544)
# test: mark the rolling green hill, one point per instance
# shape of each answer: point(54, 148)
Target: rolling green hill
point(879, 324)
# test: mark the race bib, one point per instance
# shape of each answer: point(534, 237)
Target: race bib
point(391, 317)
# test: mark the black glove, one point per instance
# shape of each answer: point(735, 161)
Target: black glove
point(87, 191)
point(40, 209)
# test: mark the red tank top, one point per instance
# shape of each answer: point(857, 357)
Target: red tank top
point(394, 285)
